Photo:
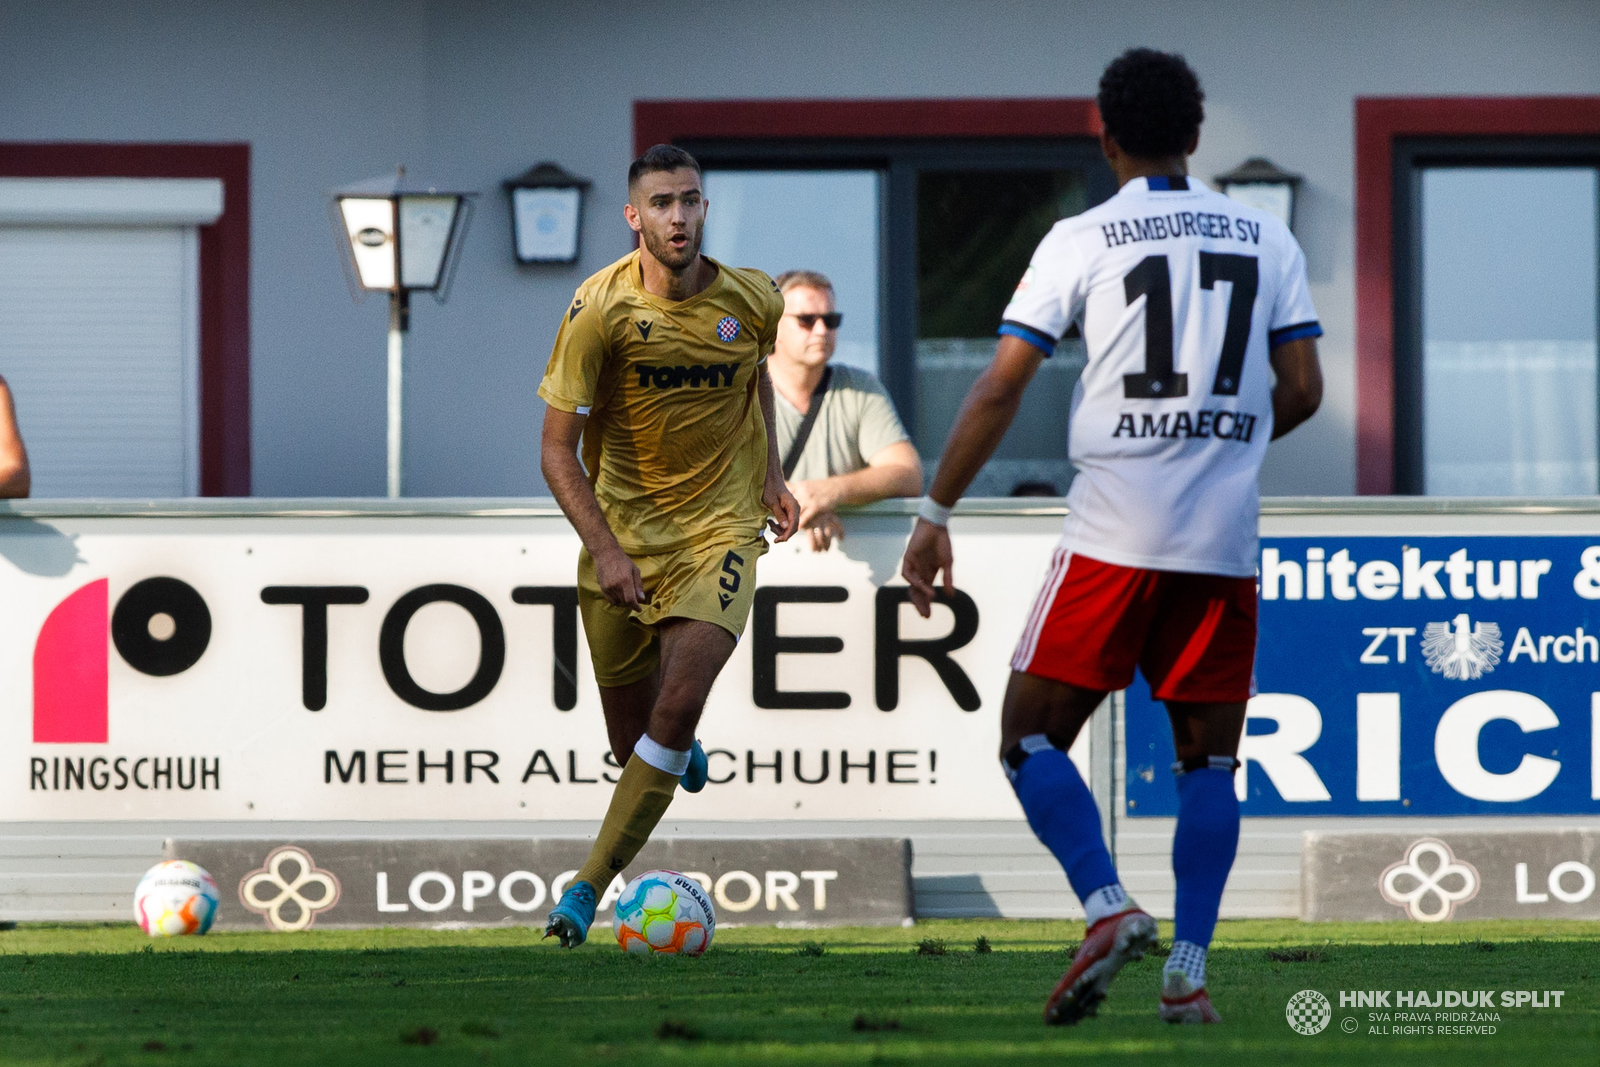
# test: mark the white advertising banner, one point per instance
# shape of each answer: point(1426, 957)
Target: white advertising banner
point(230, 665)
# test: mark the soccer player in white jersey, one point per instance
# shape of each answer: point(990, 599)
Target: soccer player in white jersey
point(1200, 337)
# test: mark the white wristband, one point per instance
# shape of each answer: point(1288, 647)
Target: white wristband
point(930, 510)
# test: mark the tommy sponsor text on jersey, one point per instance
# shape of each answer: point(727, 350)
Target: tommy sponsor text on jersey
point(1180, 293)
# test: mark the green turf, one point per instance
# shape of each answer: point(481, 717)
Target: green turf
point(106, 995)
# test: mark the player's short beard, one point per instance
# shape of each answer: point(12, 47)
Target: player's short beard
point(669, 257)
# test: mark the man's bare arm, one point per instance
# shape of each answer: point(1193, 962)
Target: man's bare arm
point(895, 470)
point(985, 416)
point(15, 478)
point(618, 575)
point(775, 497)
point(1298, 392)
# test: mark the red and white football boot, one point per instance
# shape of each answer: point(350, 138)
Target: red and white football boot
point(1110, 944)
point(1181, 1002)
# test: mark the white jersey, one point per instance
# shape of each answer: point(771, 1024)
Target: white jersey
point(1180, 293)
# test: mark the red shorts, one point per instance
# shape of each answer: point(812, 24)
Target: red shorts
point(1193, 635)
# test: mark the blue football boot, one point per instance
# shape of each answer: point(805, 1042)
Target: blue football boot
point(694, 778)
point(570, 919)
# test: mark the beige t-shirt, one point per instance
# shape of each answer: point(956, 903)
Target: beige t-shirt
point(857, 422)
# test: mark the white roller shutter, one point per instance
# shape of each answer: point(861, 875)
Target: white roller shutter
point(99, 331)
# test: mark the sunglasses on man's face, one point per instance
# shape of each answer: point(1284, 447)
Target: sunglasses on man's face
point(809, 322)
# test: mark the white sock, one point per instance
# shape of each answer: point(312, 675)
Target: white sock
point(1188, 959)
point(664, 759)
point(1107, 900)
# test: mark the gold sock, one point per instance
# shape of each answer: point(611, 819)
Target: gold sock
point(637, 804)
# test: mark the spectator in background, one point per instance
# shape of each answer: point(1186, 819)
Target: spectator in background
point(15, 478)
point(838, 434)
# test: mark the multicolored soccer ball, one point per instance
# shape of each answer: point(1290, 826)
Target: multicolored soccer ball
point(665, 913)
point(175, 898)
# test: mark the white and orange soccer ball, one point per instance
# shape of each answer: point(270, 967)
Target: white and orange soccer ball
point(175, 898)
point(665, 913)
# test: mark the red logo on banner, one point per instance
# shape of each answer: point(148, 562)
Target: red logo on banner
point(69, 669)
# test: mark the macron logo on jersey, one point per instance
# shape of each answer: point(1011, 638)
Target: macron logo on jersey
point(1180, 224)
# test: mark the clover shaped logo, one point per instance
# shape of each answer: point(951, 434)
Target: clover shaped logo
point(1424, 882)
point(281, 899)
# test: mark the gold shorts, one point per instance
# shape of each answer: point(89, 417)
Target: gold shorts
point(714, 583)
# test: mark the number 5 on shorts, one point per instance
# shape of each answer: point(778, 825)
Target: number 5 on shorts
point(728, 562)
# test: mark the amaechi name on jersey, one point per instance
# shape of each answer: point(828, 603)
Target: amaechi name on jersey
point(1240, 426)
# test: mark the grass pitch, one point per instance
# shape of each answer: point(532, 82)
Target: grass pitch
point(96, 995)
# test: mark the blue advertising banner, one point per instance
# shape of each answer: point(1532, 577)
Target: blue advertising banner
point(1410, 676)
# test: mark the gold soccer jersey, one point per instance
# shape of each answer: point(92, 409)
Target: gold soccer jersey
point(675, 443)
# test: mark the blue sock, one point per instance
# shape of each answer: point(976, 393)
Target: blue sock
point(1203, 849)
point(1063, 815)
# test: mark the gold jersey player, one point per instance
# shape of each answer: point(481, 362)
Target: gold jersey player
point(659, 369)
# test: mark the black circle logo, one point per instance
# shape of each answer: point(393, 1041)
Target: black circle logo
point(161, 626)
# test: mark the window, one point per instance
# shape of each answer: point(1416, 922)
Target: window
point(1508, 331)
point(976, 231)
point(1498, 265)
point(100, 296)
point(823, 220)
point(925, 241)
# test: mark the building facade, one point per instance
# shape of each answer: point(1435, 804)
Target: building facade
point(927, 119)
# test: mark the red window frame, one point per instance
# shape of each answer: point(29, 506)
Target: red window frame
point(1379, 122)
point(224, 278)
point(666, 121)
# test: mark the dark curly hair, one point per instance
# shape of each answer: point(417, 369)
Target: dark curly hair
point(1151, 103)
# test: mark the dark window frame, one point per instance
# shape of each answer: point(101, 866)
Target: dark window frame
point(1411, 156)
point(805, 124)
point(899, 162)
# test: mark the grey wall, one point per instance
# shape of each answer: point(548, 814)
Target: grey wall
point(469, 93)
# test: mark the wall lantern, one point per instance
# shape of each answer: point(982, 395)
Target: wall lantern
point(546, 210)
point(1262, 184)
point(398, 237)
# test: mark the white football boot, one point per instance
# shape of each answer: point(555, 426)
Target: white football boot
point(1181, 1002)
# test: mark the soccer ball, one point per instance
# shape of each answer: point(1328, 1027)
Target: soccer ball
point(175, 898)
point(664, 913)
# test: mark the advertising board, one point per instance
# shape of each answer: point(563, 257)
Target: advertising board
point(383, 668)
point(372, 667)
point(289, 884)
point(1450, 874)
point(1411, 676)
